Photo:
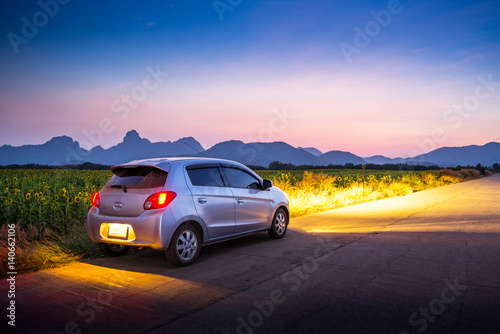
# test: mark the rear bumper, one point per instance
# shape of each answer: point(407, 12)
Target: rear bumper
point(152, 228)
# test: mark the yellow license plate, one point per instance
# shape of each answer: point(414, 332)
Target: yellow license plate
point(118, 231)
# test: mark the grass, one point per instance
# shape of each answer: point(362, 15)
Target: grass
point(34, 251)
point(49, 207)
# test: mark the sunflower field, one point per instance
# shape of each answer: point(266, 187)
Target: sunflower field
point(48, 198)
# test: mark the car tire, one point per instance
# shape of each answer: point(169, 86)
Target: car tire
point(279, 224)
point(185, 246)
point(113, 249)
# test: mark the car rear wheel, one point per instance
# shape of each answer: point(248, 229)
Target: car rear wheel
point(185, 246)
point(113, 249)
point(279, 225)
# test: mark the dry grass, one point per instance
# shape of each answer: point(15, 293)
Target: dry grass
point(35, 250)
point(38, 249)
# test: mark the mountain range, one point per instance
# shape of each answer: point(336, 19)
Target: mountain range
point(65, 150)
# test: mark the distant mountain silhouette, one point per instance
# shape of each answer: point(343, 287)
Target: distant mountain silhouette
point(341, 158)
point(134, 147)
point(381, 160)
point(261, 154)
point(312, 150)
point(64, 150)
point(52, 152)
point(471, 155)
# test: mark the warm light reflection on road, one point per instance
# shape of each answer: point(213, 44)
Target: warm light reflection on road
point(82, 295)
point(96, 276)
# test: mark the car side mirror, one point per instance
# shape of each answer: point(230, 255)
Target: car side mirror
point(267, 184)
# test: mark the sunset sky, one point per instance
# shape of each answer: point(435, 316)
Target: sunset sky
point(369, 77)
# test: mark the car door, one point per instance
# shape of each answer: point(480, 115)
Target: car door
point(214, 202)
point(252, 204)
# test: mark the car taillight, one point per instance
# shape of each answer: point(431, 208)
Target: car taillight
point(159, 200)
point(96, 201)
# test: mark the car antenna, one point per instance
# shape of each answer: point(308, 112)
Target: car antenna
point(196, 150)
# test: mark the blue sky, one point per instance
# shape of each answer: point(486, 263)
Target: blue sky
point(423, 76)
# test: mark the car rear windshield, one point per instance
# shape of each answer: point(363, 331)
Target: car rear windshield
point(137, 178)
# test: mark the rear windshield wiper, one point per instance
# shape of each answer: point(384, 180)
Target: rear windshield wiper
point(122, 186)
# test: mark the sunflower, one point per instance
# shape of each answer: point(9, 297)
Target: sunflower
point(28, 196)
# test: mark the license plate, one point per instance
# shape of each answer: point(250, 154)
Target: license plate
point(118, 231)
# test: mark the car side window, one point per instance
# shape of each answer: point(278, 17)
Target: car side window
point(241, 179)
point(206, 177)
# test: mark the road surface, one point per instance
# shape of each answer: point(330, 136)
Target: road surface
point(428, 262)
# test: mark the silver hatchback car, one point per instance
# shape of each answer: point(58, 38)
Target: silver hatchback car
point(181, 204)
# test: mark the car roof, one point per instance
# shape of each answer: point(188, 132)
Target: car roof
point(164, 163)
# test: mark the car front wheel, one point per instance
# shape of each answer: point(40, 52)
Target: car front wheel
point(185, 246)
point(113, 250)
point(279, 225)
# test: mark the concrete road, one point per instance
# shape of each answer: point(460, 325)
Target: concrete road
point(427, 262)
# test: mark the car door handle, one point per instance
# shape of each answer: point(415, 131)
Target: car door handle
point(202, 200)
point(240, 201)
